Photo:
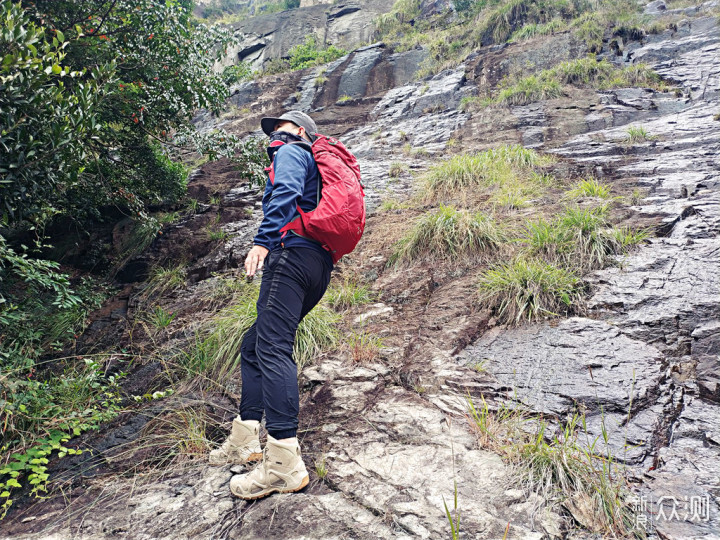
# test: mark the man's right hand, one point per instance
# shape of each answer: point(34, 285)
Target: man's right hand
point(254, 260)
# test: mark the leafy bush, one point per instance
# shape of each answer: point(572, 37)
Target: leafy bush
point(237, 73)
point(250, 160)
point(448, 232)
point(528, 289)
point(40, 415)
point(309, 54)
point(87, 137)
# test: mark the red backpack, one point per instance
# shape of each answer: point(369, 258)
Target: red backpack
point(338, 221)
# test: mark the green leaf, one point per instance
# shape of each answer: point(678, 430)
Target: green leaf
point(60, 35)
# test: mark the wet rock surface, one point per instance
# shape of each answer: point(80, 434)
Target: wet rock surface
point(651, 360)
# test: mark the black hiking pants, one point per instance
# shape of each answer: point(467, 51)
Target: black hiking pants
point(293, 282)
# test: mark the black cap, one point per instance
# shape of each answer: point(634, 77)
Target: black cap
point(298, 118)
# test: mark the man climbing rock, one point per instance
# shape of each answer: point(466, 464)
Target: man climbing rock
point(295, 276)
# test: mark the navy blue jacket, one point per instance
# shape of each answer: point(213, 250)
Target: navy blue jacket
point(296, 184)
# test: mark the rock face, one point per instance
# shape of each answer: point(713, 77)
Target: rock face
point(642, 364)
point(651, 361)
point(343, 24)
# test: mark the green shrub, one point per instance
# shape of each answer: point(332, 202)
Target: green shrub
point(528, 289)
point(308, 54)
point(447, 232)
point(91, 122)
point(237, 73)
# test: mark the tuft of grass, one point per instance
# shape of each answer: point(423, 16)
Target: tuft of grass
point(560, 466)
point(216, 235)
point(393, 204)
point(315, 334)
point(583, 72)
point(364, 347)
point(531, 30)
point(447, 232)
point(627, 237)
point(346, 294)
point(163, 279)
point(529, 90)
point(397, 168)
point(637, 134)
point(344, 99)
point(581, 239)
point(176, 436)
point(527, 289)
point(589, 187)
point(491, 167)
point(321, 468)
point(143, 233)
point(587, 234)
point(160, 318)
point(512, 199)
point(193, 206)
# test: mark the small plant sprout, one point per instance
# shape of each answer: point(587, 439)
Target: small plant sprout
point(216, 235)
point(193, 205)
point(321, 468)
point(344, 99)
point(161, 318)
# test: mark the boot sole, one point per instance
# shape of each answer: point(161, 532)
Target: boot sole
point(305, 481)
point(253, 457)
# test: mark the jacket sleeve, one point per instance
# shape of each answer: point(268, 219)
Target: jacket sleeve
point(292, 166)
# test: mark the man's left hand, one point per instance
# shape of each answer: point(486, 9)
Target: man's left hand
point(254, 260)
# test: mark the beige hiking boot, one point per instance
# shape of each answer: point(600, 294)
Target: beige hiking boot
point(241, 446)
point(282, 470)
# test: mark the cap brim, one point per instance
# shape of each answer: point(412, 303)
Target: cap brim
point(268, 124)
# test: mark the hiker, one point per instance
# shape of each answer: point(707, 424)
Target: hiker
point(295, 276)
